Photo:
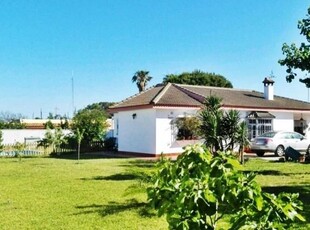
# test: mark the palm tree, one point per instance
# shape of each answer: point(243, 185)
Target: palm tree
point(222, 131)
point(141, 78)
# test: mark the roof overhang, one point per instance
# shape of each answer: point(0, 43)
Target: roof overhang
point(139, 107)
point(260, 114)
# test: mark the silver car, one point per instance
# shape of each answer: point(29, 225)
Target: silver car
point(277, 142)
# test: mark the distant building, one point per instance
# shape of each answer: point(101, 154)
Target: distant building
point(40, 123)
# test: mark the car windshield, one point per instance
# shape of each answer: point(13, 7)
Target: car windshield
point(269, 134)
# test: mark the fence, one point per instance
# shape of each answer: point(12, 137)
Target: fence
point(33, 149)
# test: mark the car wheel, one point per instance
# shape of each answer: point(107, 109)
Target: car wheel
point(280, 151)
point(260, 154)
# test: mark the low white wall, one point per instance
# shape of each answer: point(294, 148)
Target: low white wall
point(11, 136)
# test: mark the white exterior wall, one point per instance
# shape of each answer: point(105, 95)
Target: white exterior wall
point(11, 136)
point(152, 130)
point(136, 135)
point(165, 131)
point(283, 121)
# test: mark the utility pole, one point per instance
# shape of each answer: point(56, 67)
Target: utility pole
point(72, 88)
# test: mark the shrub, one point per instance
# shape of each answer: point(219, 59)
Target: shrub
point(196, 190)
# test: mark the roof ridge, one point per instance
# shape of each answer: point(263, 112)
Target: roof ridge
point(190, 93)
point(161, 93)
point(212, 87)
point(137, 94)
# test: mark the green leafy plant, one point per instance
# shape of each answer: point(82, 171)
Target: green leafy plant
point(54, 138)
point(222, 130)
point(199, 188)
point(188, 128)
point(298, 57)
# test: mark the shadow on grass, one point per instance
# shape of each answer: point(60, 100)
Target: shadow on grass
point(266, 172)
point(112, 208)
point(86, 156)
point(304, 196)
point(116, 177)
point(122, 177)
point(274, 172)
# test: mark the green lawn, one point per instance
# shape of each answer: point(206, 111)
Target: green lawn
point(47, 193)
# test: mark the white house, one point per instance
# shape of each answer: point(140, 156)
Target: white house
point(143, 123)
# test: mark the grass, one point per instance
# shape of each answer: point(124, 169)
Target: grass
point(48, 193)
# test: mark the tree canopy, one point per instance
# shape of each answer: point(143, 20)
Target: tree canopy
point(298, 57)
point(104, 105)
point(198, 77)
point(93, 122)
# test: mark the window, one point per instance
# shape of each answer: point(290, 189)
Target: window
point(258, 126)
point(117, 127)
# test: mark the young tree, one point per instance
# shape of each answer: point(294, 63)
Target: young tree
point(141, 78)
point(79, 137)
point(1, 140)
point(19, 149)
point(198, 77)
point(199, 188)
point(243, 140)
point(298, 57)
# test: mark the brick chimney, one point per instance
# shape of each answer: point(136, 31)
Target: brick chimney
point(268, 88)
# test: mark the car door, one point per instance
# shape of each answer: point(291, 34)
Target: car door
point(300, 142)
point(286, 139)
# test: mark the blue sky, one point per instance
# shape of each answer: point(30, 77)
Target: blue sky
point(103, 43)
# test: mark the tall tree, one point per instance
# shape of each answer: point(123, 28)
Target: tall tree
point(104, 105)
point(298, 57)
point(198, 77)
point(141, 78)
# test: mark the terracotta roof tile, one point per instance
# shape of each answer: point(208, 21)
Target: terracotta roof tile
point(193, 96)
point(143, 98)
point(247, 98)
